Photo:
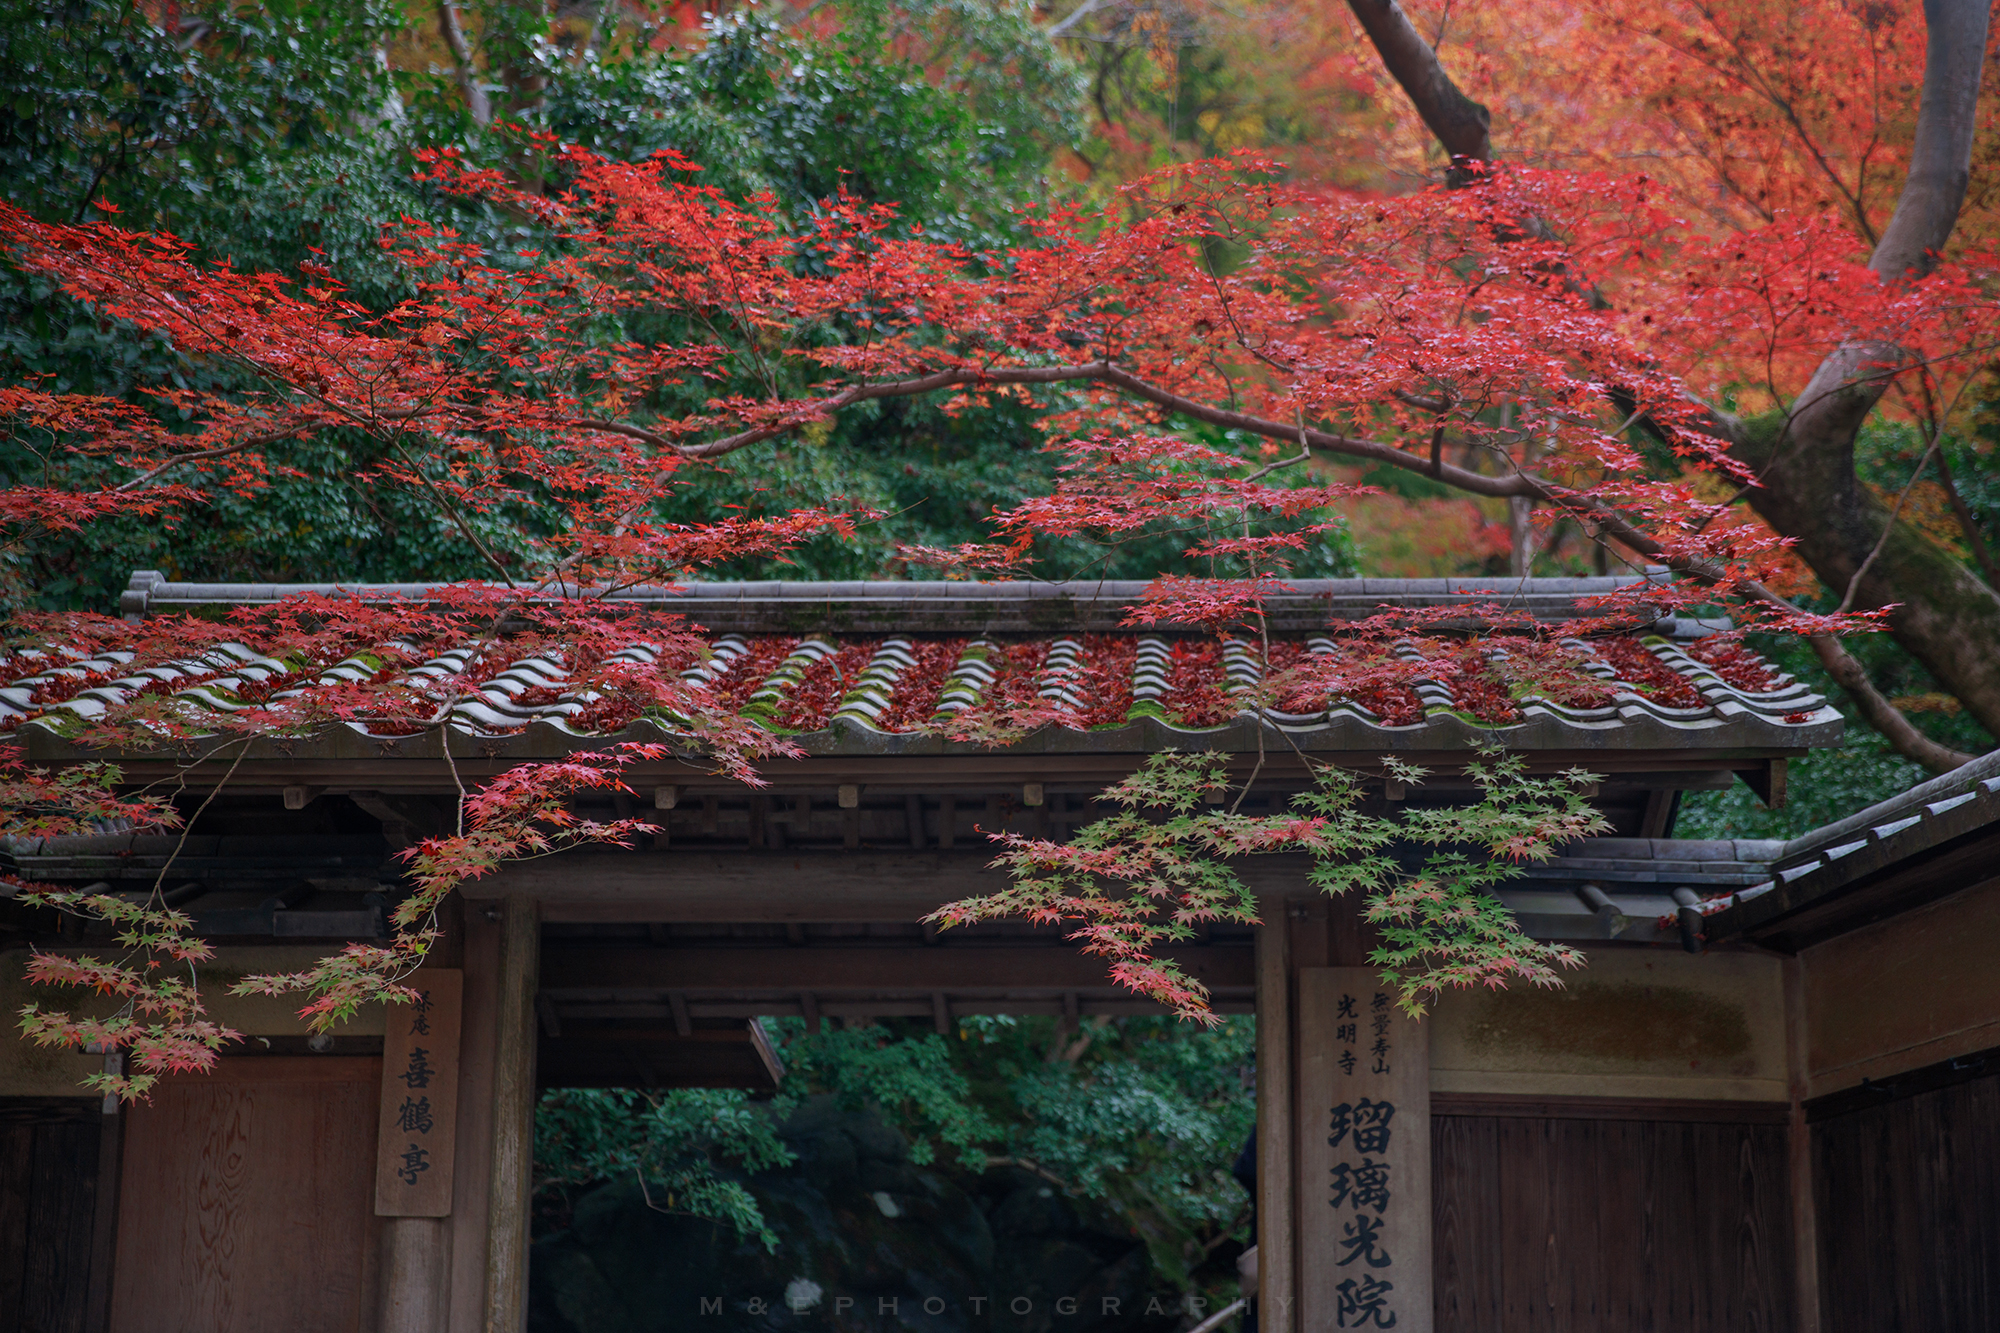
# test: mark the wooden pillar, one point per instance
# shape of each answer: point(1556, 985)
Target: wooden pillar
point(416, 1274)
point(1307, 940)
point(1277, 1288)
point(472, 1183)
point(513, 1115)
point(1805, 1222)
point(104, 1220)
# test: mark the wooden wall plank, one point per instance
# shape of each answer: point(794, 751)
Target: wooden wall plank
point(1578, 1256)
point(247, 1200)
point(17, 1153)
point(1466, 1193)
point(1621, 1232)
point(61, 1207)
point(1908, 1196)
point(1562, 1224)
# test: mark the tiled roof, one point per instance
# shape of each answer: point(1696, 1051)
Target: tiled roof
point(1808, 876)
point(848, 692)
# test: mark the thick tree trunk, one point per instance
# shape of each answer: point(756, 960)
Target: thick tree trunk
point(1945, 616)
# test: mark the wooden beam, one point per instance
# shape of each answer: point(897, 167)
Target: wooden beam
point(609, 1057)
point(1658, 812)
point(677, 1006)
point(1116, 1004)
point(800, 886)
point(1277, 1299)
point(569, 971)
point(1767, 780)
point(513, 1117)
point(970, 774)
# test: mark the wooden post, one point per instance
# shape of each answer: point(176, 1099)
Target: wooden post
point(416, 1274)
point(104, 1220)
point(475, 942)
point(513, 1116)
point(1277, 1299)
point(1364, 1156)
point(1805, 1221)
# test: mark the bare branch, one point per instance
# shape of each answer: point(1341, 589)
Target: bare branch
point(1879, 713)
point(461, 53)
point(1459, 123)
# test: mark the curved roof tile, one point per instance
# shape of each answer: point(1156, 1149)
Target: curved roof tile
point(524, 711)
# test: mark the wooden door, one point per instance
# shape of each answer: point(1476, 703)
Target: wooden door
point(49, 1202)
point(1588, 1215)
point(1908, 1201)
point(246, 1201)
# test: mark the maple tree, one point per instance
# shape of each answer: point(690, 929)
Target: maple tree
point(1746, 120)
point(1519, 333)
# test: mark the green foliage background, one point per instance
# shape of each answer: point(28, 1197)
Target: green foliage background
point(1140, 1116)
point(277, 134)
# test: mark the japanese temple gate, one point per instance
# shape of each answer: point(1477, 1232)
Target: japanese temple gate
point(1675, 1140)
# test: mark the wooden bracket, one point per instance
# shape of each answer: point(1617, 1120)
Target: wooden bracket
point(1768, 781)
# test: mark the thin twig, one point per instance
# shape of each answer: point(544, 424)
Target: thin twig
point(1888, 528)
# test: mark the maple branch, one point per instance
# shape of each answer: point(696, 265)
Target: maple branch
point(1887, 719)
point(861, 393)
point(1102, 372)
point(1880, 713)
point(199, 456)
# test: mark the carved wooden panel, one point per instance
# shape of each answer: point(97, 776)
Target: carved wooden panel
point(246, 1197)
point(1364, 1164)
point(418, 1127)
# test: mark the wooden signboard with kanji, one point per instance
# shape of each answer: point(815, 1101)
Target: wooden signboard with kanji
point(1364, 1159)
point(419, 1099)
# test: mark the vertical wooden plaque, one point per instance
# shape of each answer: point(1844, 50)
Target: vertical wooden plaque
point(1364, 1157)
point(419, 1098)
